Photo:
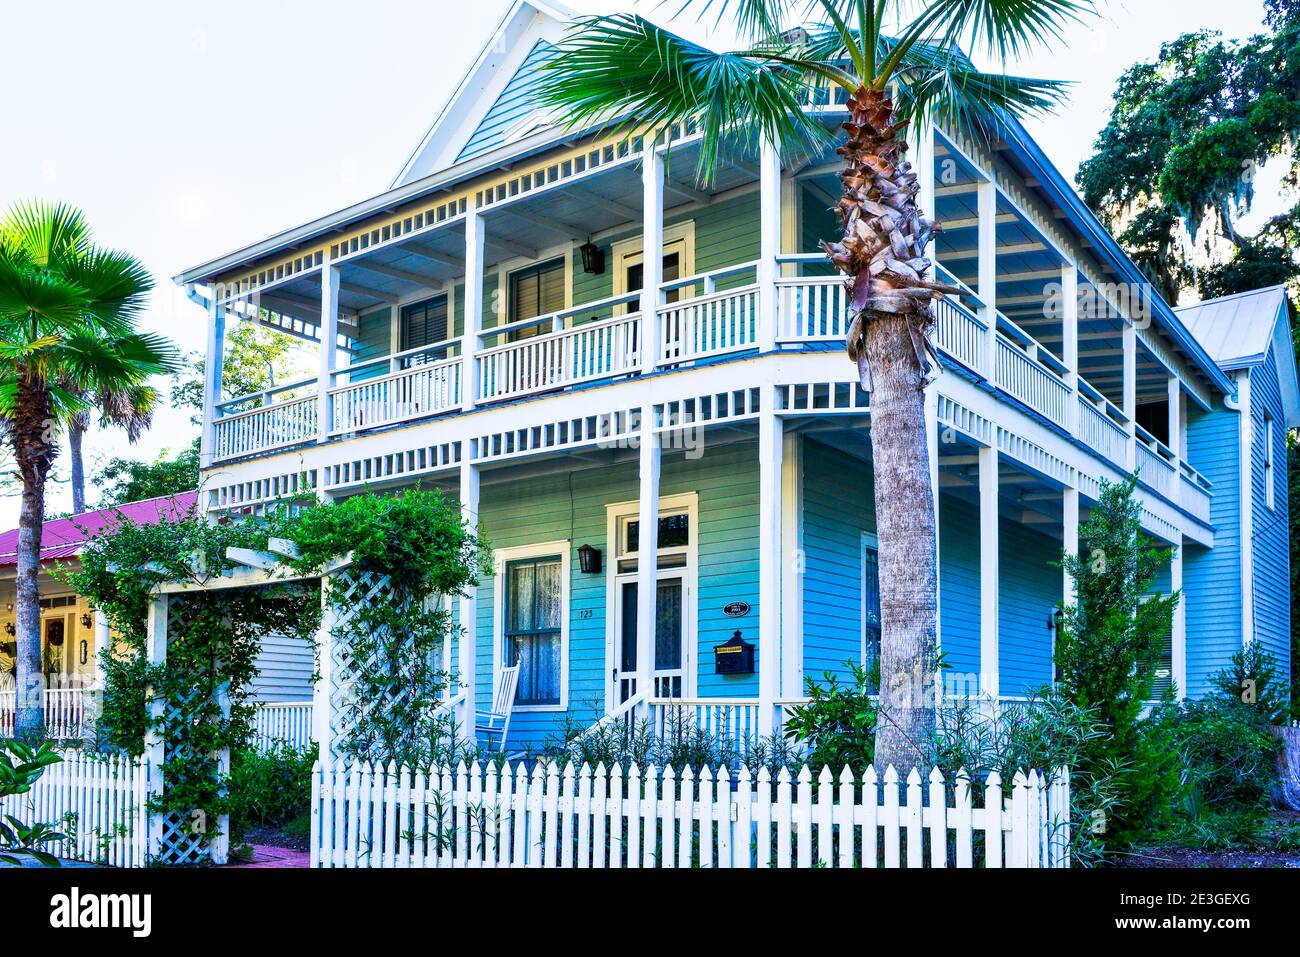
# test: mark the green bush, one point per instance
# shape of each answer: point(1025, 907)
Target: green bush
point(269, 788)
point(1252, 678)
point(838, 724)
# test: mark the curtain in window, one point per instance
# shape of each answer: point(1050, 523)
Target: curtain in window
point(536, 291)
point(532, 639)
point(871, 607)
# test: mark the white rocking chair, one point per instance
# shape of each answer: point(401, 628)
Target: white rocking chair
point(497, 720)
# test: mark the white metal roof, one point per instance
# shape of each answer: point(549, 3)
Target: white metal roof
point(1238, 331)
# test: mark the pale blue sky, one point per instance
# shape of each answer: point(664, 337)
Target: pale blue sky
point(187, 129)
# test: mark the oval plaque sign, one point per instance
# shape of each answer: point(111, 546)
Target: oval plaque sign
point(736, 609)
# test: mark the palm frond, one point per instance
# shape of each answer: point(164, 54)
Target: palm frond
point(27, 290)
point(755, 19)
point(1005, 27)
point(117, 286)
point(624, 72)
point(47, 232)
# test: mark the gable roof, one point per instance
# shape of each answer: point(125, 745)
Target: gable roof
point(1239, 330)
point(510, 51)
point(64, 538)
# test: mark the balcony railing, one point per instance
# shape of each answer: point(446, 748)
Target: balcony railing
point(1155, 464)
point(422, 389)
point(265, 428)
point(1195, 492)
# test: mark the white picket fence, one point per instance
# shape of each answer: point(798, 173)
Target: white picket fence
point(65, 713)
point(282, 722)
point(481, 817)
point(96, 801)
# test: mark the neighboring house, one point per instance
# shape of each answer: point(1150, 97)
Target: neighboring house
point(72, 632)
point(489, 325)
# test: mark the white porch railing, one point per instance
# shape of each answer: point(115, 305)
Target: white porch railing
point(282, 722)
point(614, 817)
point(1195, 490)
point(562, 358)
point(709, 325)
point(960, 333)
point(65, 713)
point(1101, 432)
point(97, 801)
point(730, 723)
point(1154, 465)
point(812, 309)
point(270, 427)
point(1021, 372)
point(412, 393)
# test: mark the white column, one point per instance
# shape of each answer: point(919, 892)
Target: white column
point(1070, 338)
point(469, 510)
point(102, 642)
point(647, 568)
point(154, 744)
point(1246, 507)
point(212, 371)
point(652, 257)
point(329, 340)
point(1179, 663)
point(792, 567)
point(475, 229)
point(1130, 387)
point(1175, 442)
point(769, 207)
point(988, 482)
point(932, 430)
point(1070, 544)
point(987, 204)
point(770, 449)
point(322, 697)
point(922, 149)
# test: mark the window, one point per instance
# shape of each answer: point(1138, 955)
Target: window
point(534, 601)
point(424, 323)
point(1268, 461)
point(536, 291)
point(672, 270)
point(870, 601)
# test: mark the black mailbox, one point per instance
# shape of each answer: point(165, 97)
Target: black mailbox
point(734, 657)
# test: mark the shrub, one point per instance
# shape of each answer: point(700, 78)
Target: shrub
point(838, 724)
point(269, 788)
point(1252, 679)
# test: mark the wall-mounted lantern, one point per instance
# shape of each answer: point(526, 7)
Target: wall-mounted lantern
point(87, 619)
point(10, 630)
point(593, 258)
point(1054, 621)
point(589, 560)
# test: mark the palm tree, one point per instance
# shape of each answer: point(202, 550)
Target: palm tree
point(897, 63)
point(129, 409)
point(67, 330)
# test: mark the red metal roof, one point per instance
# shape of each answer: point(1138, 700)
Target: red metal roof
point(64, 537)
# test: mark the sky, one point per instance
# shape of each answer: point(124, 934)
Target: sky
point(188, 129)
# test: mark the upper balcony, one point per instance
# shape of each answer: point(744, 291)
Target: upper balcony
point(739, 275)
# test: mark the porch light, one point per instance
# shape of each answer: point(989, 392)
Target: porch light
point(593, 258)
point(1054, 620)
point(86, 620)
point(10, 630)
point(589, 559)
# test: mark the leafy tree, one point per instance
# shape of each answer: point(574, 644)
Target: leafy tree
point(1177, 159)
point(1108, 637)
point(130, 480)
point(256, 358)
point(130, 409)
point(624, 66)
point(1252, 678)
point(67, 315)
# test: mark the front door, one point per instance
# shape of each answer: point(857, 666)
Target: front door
point(669, 670)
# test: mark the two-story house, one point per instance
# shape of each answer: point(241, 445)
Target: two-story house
point(638, 386)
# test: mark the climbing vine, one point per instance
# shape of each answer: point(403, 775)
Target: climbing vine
point(416, 542)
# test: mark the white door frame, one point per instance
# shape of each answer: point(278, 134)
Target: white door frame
point(616, 516)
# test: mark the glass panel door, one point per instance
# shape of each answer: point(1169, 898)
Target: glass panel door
point(668, 670)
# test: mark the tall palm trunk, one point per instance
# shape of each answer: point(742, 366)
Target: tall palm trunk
point(34, 453)
point(76, 432)
point(882, 251)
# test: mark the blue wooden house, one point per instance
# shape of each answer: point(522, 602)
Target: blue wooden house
point(638, 386)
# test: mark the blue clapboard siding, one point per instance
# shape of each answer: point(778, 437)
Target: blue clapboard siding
point(573, 507)
point(1271, 525)
point(959, 591)
point(514, 104)
point(284, 669)
point(375, 338)
point(1029, 590)
point(1212, 576)
point(838, 506)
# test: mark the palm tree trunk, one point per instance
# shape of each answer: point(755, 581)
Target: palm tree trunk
point(34, 453)
point(882, 252)
point(77, 431)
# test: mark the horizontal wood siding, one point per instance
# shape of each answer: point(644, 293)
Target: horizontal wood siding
point(374, 339)
point(838, 506)
point(1029, 589)
point(514, 104)
point(1212, 576)
point(1271, 525)
point(959, 589)
point(284, 669)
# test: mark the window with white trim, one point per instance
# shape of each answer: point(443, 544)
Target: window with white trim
point(870, 601)
point(533, 627)
point(1269, 474)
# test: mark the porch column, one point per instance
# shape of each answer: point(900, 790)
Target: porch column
point(1175, 442)
point(652, 255)
point(1129, 342)
point(212, 372)
point(792, 567)
point(1179, 637)
point(932, 430)
point(987, 204)
point(647, 567)
point(322, 697)
point(475, 231)
point(988, 481)
point(770, 448)
point(1070, 337)
point(154, 745)
point(329, 344)
point(1070, 545)
point(101, 645)
point(769, 209)
point(469, 510)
